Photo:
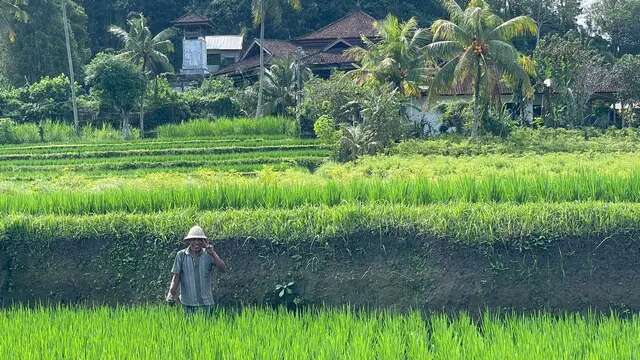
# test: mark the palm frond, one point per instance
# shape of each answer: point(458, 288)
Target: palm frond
point(165, 35)
point(443, 79)
point(443, 50)
point(119, 32)
point(444, 30)
point(452, 7)
point(516, 27)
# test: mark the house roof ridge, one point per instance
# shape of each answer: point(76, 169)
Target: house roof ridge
point(333, 23)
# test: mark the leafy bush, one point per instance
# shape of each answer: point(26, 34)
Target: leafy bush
point(328, 97)
point(48, 98)
point(7, 132)
point(164, 105)
point(325, 130)
point(215, 97)
point(456, 117)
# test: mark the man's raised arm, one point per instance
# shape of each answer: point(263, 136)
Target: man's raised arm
point(216, 259)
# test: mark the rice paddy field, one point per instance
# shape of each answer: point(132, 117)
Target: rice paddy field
point(510, 230)
point(164, 333)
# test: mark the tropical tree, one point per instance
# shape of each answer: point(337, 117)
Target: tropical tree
point(397, 58)
point(145, 50)
point(117, 83)
point(283, 83)
point(10, 11)
point(475, 49)
point(262, 9)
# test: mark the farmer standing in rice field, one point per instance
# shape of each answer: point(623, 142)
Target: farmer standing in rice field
point(193, 272)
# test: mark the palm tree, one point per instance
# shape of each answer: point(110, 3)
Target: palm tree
point(144, 49)
point(11, 11)
point(261, 9)
point(282, 83)
point(475, 48)
point(397, 58)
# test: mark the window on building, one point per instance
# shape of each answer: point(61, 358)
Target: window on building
point(213, 59)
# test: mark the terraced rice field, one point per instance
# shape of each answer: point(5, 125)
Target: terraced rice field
point(437, 221)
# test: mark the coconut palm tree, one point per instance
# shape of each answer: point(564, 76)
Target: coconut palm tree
point(261, 9)
point(475, 48)
point(148, 51)
point(397, 58)
point(283, 82)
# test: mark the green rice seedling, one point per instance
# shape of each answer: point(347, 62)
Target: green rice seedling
point(295, 190)
point(158, 152)
point(227, 127)
point(155, 332)
point(155, 144)
point(532, 225)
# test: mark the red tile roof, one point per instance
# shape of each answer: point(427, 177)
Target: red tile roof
point(354, 25)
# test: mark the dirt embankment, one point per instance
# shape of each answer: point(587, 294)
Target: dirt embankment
point(572, 274)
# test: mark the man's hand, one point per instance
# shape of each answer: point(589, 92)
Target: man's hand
point(171, 296)
point(216, 259)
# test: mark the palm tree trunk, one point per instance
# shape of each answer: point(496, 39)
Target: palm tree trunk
point(261, 86)
point(142, 112)
point(144, 91)
point(476, 103)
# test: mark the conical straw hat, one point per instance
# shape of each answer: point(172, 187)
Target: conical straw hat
point(196, 232)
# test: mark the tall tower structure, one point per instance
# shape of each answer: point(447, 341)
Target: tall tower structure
point(194, 45)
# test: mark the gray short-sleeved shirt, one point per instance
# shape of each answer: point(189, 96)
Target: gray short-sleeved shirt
point(196, 275)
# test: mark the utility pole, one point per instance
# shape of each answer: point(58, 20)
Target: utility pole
point(65, 24)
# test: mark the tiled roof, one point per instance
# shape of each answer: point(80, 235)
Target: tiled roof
point(354, 25)
point(242, 66)
point(325, 58)
point(279, 48)
point(191, 19)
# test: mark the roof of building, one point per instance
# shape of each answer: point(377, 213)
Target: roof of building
point(191, 19)
point(276, 48)
point(353, 25)
point(224, 42)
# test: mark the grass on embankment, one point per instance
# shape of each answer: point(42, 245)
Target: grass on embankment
point(229, 127)
point(143, 333)
point(527, 225)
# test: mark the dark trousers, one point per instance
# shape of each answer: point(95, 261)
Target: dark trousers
point(201, 309)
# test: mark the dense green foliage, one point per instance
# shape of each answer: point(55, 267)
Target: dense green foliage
point(328, 334)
